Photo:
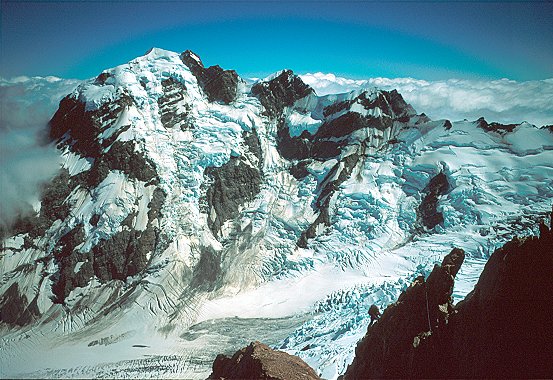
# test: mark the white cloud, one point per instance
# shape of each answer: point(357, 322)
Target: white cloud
point(503, 100)
point(26, 161)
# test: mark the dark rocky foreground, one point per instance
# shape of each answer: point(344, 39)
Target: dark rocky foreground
point(502, 329)
point(258, 361)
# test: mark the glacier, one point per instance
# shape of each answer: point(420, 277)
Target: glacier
point(333, 226)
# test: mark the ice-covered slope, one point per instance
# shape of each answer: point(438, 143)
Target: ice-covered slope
point(187, 196)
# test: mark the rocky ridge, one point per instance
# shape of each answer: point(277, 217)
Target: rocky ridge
point(501, 329)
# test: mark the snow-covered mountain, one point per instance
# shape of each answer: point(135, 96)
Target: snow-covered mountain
point(188, 197)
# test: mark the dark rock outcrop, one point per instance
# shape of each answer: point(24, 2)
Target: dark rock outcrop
point(275, 95)
point(219, 85)
point(387, 349)
point(80, 130)
point(122, 255)
point(280, 92)
point(299, 169)
point(428, 214)
point(350, 122)
point(258, 361)
point(503, 328)
point(251, 139)
point(126, 253)
point(67, 278)
point(125, 157)
point(495, 127)
point(15, 310)
point(234, 184)
point(102, 78)
point(342, 171)
point(173, 93)
point(391, 103)
point(74, 126)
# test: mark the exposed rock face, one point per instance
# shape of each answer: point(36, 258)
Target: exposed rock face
point(68, 278)
point(81, 129)
point(15, 308)
point(124, 254)
point(280, 92)
point(234, 184)
point(428, 214)
point(258, 361)
point(122, 156)
point(251, 139)
point(496, 127)
point(277, 94)
point(501, 329)
point(387, 349)
point(173, 93)
point(219, 85)
point(341, 172)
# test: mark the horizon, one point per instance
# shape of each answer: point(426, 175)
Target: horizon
point(427, 41)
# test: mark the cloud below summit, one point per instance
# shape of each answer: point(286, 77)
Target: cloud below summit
point(503, 100)
point(26, 105)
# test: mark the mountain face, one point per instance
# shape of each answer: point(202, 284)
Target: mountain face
point(182, 186)
point(501, 329)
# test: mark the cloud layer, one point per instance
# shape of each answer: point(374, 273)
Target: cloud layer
point(26, 162)
point(503, 100)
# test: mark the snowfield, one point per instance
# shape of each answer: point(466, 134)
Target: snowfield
point(312, 301)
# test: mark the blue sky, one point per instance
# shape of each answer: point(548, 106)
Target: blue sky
point(425, 40)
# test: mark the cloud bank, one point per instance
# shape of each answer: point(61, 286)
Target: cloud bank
point(504, 101)
point(26, 162)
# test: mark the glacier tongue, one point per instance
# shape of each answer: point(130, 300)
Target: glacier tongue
point(179, 208)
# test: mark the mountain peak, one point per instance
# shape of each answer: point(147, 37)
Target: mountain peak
point(156, 53)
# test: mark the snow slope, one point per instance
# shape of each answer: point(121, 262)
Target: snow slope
point(241, 234)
